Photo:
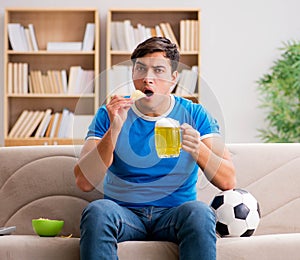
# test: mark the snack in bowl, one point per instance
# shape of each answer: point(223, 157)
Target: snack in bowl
point(47, 227)
point(137, 94)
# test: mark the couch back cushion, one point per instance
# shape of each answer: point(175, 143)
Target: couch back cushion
point(270, 172)
point(38, 182)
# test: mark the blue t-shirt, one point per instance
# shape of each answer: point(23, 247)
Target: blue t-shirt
point(137, 176)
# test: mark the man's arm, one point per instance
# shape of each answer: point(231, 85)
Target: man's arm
point(212, 156)
point(97, 155)
point(215, 161)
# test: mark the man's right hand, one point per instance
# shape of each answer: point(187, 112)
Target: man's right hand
point(117, 110)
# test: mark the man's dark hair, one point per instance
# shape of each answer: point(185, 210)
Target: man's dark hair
point(158, 44)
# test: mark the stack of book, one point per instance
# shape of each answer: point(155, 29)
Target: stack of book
point(17, 74)
point(120, 81)
point(80, 81)
point(125, 37)
point(49, 124)
point(187, 82)
point(189, 35)
point(21, 38)
point(24, 39)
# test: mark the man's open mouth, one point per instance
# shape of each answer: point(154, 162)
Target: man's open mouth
point(148, 92)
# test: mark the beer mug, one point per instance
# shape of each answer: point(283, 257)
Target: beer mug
point(167, 138)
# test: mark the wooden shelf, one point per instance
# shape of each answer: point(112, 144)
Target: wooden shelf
point(150, 18)
point(51, 25)
point(41, 141)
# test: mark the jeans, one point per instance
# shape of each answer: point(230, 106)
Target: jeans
point(190, 225)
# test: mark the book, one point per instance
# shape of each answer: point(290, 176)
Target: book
point(40, 132)
point(89, 37)
point(113, 36)
point(10, 78)
point(17, 126)
point(54, 124)
point(28, 39)
point(64, 46)
point(187, 82)
point(80, 125)
point(172, 35)
point(129, 35)
point(74, 76)
point(24, 78)
point(35, 123)
point(120, 80)
point(49, 128)
point(29, 122)
point(33, 38)
point(64, 123)
point(16, 37)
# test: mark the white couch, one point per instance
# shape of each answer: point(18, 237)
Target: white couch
point(38, 182)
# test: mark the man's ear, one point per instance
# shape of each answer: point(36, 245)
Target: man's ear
point(174, 80)
point(175, 76)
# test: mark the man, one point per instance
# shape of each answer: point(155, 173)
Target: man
point(146, 197)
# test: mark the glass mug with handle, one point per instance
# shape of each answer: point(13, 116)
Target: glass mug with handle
point(167, 138)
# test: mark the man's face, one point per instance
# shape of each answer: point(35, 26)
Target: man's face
point(152, 74)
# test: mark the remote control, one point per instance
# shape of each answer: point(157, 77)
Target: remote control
point(7, 230)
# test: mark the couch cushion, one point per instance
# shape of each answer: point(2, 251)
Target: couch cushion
point(41, 183)
point(27, 247)
point(270, 172)
point(262, 247)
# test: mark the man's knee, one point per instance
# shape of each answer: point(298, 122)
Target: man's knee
point(197, 212)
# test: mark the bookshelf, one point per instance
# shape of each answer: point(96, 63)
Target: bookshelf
point(185, 25)
point(45, 73)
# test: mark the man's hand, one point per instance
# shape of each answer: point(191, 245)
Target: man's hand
point(190, 140)
point(117, 110)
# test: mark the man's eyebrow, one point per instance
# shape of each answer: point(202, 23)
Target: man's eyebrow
point(158, 66)
point(140, 63)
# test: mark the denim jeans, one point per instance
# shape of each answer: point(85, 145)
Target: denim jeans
point(190, 225)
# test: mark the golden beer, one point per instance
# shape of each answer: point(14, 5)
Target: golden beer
point(167, 138)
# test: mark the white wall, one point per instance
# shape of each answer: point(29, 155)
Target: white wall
point(239, 42)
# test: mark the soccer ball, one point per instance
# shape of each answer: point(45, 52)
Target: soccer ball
point(237, 213)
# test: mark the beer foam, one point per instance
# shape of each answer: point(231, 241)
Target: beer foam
point(167, 122)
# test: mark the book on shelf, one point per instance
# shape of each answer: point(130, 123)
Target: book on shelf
point(22, 123)
point(125, 36)
point(33, 37)
point(120, 80)
point(29, 124)
point(80, 81)
point(47, 123)
point(21, 38)
point(28, 39)
point(17, 78)
point(168, 33)
point(187, 82)
point(17, 126)
point(89, 37)
point(80, 125)
point(16, 37)
point(41, 130)
point(189, 35)
point(54, 81)
point(37, 118)
point(64, 46)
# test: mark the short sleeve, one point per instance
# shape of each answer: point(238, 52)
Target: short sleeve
point(99, 124)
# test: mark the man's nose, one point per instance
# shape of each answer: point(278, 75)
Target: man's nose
point(148, 77)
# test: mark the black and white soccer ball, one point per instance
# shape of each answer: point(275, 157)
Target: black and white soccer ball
point(237, 213)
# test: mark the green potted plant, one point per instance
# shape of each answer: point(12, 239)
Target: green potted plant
point(280, 94)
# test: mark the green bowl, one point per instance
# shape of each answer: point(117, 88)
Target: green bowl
point(47, 227)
